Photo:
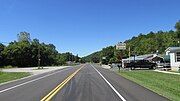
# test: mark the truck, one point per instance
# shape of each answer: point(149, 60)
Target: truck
point(140, 64)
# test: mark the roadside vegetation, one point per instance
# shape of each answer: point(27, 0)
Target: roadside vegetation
point(7, 76)
point(167, 85)
point(146, 43)
point(26, 53)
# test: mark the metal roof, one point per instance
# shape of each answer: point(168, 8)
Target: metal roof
point(143, 57)
point(173, 49)
point(140, 57)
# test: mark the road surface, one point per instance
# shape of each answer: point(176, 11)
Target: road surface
point(86, 82)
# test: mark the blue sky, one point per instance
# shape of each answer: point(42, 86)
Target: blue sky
point(85, 26)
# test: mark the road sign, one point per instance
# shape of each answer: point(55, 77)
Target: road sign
point(104, 58)
point(121, 46)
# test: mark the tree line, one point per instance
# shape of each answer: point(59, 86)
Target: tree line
point(152, 42)
point(26, 53)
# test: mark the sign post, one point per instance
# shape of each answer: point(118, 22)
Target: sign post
point(121, 46)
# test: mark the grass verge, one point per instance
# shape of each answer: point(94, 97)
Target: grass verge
point(167, 85)
point(7, 76)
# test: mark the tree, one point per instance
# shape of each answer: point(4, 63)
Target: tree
point(90, 57)
point(61, 60)
point(64, 57)
point(2, 58)
point(82, 60)
point(95, 59)
point(25, 54)
point(18, 54)
point(107, 52)
point(177, 26)
point(77, 58)
point(2, 47)
point(24, 36)
point(118, 56)
point(112, 60)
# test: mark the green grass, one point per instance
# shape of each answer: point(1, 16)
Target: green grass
point(167, 85)
point(5, 76)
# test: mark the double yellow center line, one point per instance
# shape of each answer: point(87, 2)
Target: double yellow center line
point(60, 86)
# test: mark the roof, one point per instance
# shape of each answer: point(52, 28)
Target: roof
point(144, 57)
point(140, 57)
point(173, 49)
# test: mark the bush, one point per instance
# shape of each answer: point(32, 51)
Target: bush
point(9, 66)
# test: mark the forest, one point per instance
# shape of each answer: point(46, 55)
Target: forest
point(31, 53)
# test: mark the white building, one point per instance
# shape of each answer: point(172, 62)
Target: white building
point(150, 57)
point(174, 53)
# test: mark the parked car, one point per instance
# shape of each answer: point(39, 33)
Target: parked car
point(114, 65)
point(140, 64)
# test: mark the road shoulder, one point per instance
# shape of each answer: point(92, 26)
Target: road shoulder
point(33, 71)
point(129, 89)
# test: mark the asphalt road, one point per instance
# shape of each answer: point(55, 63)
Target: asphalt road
point(91, 83)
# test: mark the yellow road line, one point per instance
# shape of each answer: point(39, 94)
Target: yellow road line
point(60, 86)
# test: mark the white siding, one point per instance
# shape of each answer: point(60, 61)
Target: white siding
point(167, 52)
point(174, 64)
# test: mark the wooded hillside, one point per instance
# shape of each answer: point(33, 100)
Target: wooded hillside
point(151, 42)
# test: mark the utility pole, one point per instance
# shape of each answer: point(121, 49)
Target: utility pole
point(115, 53)
point(39, 58)
point(129, 53)
point(121, 46)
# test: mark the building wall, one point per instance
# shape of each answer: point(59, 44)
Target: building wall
point(167, 52)
point(174, 64)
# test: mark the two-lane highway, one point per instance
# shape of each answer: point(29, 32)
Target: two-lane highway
point(81, 83)
point(34, 88)
point(93, 83)
point(88, 85)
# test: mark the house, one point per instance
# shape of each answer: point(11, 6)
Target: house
point(174, 53)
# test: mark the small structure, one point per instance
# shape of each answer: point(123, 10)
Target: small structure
point(174, 53)
point(154, 58)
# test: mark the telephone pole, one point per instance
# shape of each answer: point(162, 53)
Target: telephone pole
point(129, 53)
point(39, 58)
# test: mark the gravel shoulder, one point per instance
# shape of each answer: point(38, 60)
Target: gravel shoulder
point(34, 70)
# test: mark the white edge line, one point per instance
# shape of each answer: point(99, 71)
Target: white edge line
point(119, 95)
point(7, 89)
point(31, 75)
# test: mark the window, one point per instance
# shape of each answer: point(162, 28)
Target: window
point(178, 57)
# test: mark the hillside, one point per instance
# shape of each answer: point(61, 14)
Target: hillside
point(142, 44)
point(151, 42)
